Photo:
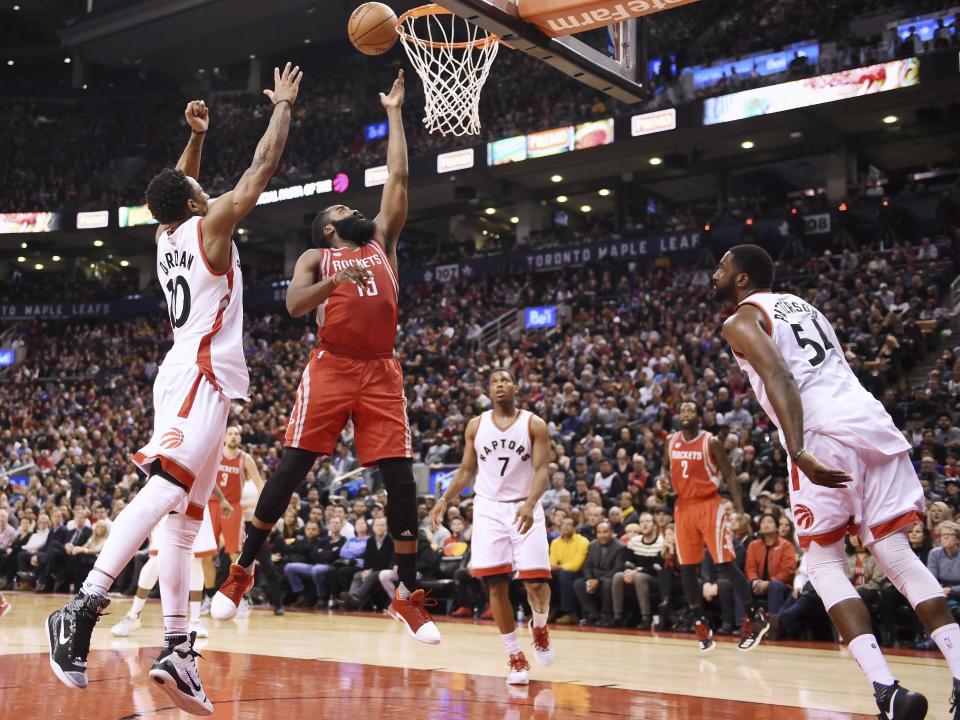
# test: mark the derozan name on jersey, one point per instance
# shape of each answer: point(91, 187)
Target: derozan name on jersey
point(369, 261)
point(504, 445)
point(175, 259)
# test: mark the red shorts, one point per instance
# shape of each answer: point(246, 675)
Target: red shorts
point(335, 389)
point(701, 522)
point(229, 528)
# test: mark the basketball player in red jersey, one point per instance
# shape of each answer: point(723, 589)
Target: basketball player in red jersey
point(235, 468)
point(695, 462)
point(350, 281)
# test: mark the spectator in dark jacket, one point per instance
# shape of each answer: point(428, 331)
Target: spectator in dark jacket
point(378, 556)
point(605, 558)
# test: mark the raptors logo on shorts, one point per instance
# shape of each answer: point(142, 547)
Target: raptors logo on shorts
point(172, 438)
point(804, 516)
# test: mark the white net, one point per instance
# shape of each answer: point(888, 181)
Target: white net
point(453, 57)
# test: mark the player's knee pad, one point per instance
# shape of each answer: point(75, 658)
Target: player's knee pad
point(402, 520)
point(827, 568)
point(904, 569)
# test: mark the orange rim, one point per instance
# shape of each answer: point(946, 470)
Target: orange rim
point(434, 9)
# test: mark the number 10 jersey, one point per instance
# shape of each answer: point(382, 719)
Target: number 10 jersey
point(205, 308)
point(835, 404)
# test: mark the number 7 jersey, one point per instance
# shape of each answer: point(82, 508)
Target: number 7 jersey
point(834, 402)
point(205, 309)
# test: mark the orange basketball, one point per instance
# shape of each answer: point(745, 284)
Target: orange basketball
point(373, 28)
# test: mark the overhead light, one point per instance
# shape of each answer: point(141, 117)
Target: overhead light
point(38, 266)
point(747, 144)
point(241, 231)
point(84, 87)
point(67, 60)
point(796, 135)
point(56, 258)
point(23, 245)
point(490, 211)
point(885, 203)
point(9, 62)
point(603, 193)
point(485, 233)
point(21, 259)
point(842, 207)
point(556, 178)
point(514, 220)
point(749, 221)
point(307, 41)
point(252, 56)
point(585, 208)
point(890, 119)
point(98, 243)
point(124, 263)
point(706, 228)
point(92, 265)
point(793, 211)
point(656, 161)
point(561, 198)
point(16, 8)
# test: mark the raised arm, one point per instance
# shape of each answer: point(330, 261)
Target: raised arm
point(198, 118)
point(541, 450)
point(464, 475)
point(306, 293)
point(729, 476)
point(230, 208)
point(393, 205)
point(746, 332)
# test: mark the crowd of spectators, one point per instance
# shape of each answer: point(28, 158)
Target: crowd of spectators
point(633, 342)
point(116, 146)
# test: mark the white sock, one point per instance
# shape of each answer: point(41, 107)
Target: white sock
point(866, 651)
point(402, 591)
point(137, 607)
point(157, 499)
point(194, 612)
point(539, 619)
point(947, 639)
point(174, 563)
point(510, 642)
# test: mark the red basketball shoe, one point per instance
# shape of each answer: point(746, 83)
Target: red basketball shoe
point(228, 597)
point(412, 612)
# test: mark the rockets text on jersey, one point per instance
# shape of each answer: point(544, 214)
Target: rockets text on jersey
point(834, 401)
point(693, 471)
point(230, 478)
point(355, 321)
point(205, 309)
point(504, 458)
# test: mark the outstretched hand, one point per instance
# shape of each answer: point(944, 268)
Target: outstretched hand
point(286, 85)
point(395, 98)
point(197, 115)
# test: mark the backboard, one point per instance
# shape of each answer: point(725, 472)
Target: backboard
point(545, 29)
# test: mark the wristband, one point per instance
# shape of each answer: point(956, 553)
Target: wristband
point(196, 132)
point(284, 101)
point(797, 454)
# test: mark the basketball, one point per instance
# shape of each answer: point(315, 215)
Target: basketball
point(373, 28)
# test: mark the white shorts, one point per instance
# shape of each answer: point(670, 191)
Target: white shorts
point(498, 548)
point(204, 544)
point(190, 420)
point(884, 497)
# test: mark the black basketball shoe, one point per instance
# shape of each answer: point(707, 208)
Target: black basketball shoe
point(68, 634)
point(754, 627)
point(955, 700)
point(898, 703)
point(175, 671)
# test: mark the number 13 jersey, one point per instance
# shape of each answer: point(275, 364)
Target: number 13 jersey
point(205, 309)
point(504, 458)
point(359, 322)
point(834, 402)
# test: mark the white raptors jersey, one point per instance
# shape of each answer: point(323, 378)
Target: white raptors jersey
point(834, 402)
point(504, 458)
point(205, 307)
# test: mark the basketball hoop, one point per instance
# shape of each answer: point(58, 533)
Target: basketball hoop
point(453, 60)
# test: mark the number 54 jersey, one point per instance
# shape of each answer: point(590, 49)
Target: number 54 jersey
point(205, 308)
point(835, 404)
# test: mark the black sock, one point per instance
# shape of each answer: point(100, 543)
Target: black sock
point(407, 570)
point(690, 580)
point(255, 539)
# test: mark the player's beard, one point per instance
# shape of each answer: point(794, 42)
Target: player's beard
point(355, 229)
point(722, 293)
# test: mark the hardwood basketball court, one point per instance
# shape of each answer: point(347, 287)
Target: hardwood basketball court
point(319, 665)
